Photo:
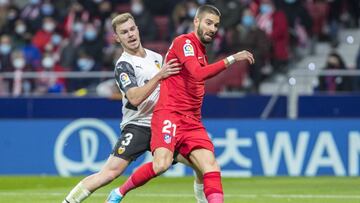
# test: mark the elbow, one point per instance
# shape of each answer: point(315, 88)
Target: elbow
point(134, 101)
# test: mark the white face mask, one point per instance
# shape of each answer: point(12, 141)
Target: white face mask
point(137, 8)
point(47, 62)
point(49, 27)
point(19, 63)
point(20, 29)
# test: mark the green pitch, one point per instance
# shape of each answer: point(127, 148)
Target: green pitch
point(179, 190)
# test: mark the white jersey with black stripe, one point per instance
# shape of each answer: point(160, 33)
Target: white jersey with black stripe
point(134, 71)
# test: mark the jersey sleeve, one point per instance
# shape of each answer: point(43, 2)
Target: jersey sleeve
point(125, 76)
point(187, 55)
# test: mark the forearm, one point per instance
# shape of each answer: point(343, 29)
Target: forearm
point(205, 72)
point(137, 95)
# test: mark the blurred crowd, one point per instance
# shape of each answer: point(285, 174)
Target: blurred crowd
point(48, 36)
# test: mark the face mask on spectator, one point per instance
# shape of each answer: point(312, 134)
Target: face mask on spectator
point(78, 27)
point(20, 29)
point(19, 63)
point(192, 12)
point(265, 8)
point(49, 27)
point(90, 35)
point(34, 2)
point(248, 20)
point(290, 1)
point(5, 49)
point(85, 64)
point(47, 9)
point(47, 62)
point(137, 8)
point(56, 39)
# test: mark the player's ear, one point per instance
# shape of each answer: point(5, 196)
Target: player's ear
point(117, 38)
point(196, 21)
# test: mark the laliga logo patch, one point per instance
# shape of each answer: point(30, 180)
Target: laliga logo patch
point(124, 79)
point(188, 49)
point(121, 150)
point(167, 138)
point(157, 64)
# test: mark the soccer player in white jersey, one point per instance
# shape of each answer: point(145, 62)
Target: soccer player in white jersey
point(138, 72)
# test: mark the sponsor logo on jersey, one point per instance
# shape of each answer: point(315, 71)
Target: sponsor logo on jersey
point(157, 64)
point(167, 138)
point(124, 79)
point(121, 149)
point(188, 49)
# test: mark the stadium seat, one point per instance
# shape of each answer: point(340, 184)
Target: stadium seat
point(122, 8)
point(162, 23)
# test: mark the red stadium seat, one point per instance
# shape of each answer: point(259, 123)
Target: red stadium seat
point(122, 8)
point(162, 23)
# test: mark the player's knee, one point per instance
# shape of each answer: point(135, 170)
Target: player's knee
point(211, 166)
point(161, 165)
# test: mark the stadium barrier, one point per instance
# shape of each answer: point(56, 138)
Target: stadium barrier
point(244, 148)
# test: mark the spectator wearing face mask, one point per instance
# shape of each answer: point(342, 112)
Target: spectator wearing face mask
point(247, 36)
point(19, 85)
point(332, 84)
point(84, 63)
point(18, 34)
point(5, 53)
point(47, 81)
point(273, 21)
point(144, 20)
point(93, 42)
point(43, 36)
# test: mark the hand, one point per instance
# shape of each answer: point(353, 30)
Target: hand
point(244, 55)
point(170, 68)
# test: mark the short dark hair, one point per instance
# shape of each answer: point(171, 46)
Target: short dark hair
point(207, 8)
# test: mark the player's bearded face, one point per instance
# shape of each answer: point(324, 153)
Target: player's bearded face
point(207, 28)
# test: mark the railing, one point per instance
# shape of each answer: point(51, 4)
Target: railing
point(293, 94)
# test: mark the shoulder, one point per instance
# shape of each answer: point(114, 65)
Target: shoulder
point(154, 54)
point(182, 39)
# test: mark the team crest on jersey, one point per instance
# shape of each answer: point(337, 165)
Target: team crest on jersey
point(188, 49)
point(157, 64)
point(121, 150)
point(167, 138)
point(124, 79)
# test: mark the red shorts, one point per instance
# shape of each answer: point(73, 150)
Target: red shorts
point(178, 132)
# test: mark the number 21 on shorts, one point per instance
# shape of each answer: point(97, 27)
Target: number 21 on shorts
point(169, 128)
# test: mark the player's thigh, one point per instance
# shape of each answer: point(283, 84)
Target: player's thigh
point(204, 159)
point(133, 142)
point(115, 165)
point(163, 130)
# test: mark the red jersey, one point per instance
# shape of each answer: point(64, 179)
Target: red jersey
point(184, 93)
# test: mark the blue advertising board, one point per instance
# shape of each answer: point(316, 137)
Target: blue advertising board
point(243, 148)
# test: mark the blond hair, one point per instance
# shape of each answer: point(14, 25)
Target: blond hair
point(120, 19)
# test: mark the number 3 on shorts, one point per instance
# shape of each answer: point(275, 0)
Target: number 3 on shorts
point(167, 127)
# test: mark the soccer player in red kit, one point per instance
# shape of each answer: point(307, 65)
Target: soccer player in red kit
point(176, 123)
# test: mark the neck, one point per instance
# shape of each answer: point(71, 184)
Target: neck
point(198, 37)
point(140, 52)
